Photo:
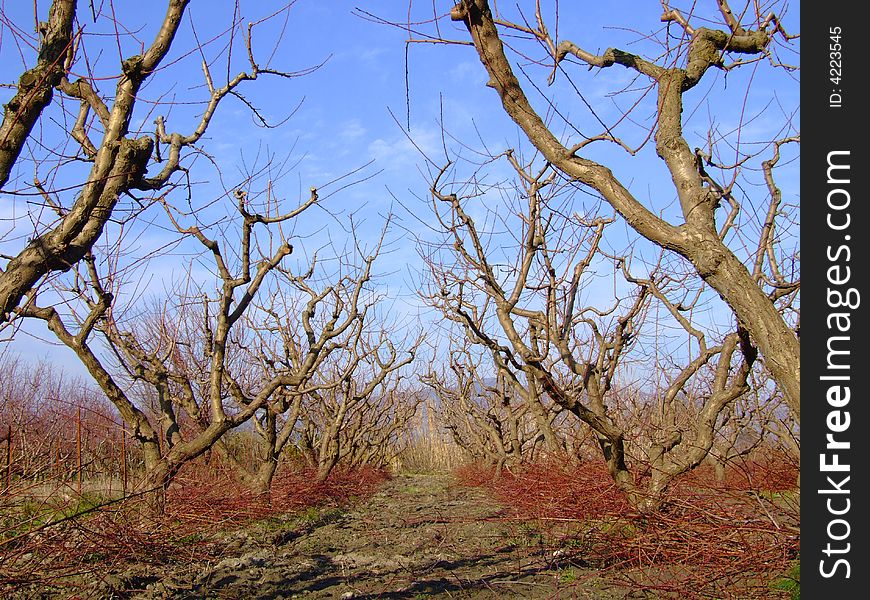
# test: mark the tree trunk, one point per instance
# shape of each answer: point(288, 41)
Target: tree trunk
point(757, 314)
point(719, 469)
point(261, 482)
point(696, 240)
point(157, 479)
point(36, 86)
point(325, 468)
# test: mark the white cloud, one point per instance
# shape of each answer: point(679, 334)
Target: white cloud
point(401, 153)
point(352, 130)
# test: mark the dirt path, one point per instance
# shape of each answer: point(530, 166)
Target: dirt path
point(419, 537)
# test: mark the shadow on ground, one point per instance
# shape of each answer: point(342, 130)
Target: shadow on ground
point(419, 537)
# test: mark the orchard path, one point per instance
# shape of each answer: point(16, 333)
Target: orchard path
point(420, 536)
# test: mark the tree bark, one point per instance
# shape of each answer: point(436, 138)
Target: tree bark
point(36, 86)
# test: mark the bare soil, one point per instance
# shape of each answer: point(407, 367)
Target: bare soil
point(419, 537)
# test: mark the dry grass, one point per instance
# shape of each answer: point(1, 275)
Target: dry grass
point(730, 539)
point(56, 539)
point(426, 449)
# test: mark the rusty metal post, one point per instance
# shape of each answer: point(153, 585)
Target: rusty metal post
point(8, 457)
point(79, 449)
point(124, 458)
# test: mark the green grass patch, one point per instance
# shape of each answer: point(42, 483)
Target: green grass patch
point(790, 582)
point(32, 514)
point(567, 576)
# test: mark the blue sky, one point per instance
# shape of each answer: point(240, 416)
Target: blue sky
point(353, 110)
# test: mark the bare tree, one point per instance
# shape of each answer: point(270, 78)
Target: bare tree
point(742, 428)
point(318, 328)
point(377, 433)
point(758, 423)
point(530, 315)
point(482, 419)
point(496, 418)
point(41, 407)
point(195, 404)
point(120, 162)
point(692, 411)
point(533, 300)
point(359, 406)
point(746, 268)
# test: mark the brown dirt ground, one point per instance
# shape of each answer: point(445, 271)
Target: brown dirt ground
point(420, 536)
